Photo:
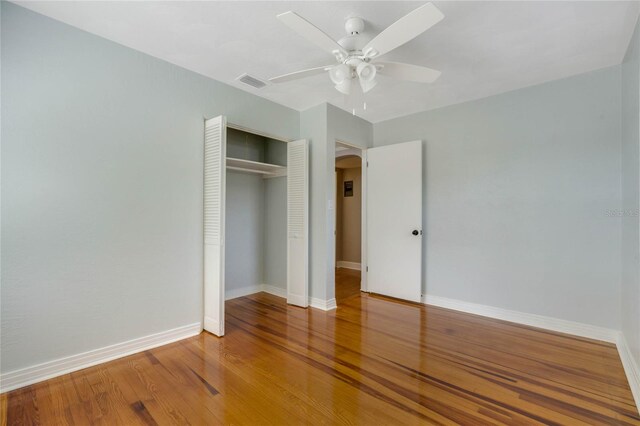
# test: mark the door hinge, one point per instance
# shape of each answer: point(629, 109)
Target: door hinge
point(367, 269)
point(367, 164)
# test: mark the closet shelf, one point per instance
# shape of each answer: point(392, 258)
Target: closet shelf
point(264, 169)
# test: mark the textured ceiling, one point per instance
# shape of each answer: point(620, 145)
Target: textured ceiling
point(482, 48)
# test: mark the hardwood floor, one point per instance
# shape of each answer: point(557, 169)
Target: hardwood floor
point(373, 361)
point(347, 283)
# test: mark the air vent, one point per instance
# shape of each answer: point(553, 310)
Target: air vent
point(251, 81)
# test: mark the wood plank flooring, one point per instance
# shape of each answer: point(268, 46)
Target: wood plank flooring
point(347, 283)
point(373, 361)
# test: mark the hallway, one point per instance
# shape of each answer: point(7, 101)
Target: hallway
point(347, 284)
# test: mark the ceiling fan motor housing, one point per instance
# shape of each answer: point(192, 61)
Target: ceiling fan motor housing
point(354, 41)
point(354, 25)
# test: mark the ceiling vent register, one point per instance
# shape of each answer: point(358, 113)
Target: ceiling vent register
point(251, 81)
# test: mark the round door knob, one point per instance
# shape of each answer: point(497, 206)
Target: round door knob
point(415, 232)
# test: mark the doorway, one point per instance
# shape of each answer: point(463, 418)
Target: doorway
point(390, 238)
point(348, 222)
point(254, 213)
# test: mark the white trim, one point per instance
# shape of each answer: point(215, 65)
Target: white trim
point(533, 320)
point(324, 305)
point(348, 265)
point(276, 291)
point(364, 248)
point(50, 369)
point(212, 325)
point(314, 302)
point(630, 368)
point(349, 152)
point(350, 145)
point(332, 304)
point(234, 293)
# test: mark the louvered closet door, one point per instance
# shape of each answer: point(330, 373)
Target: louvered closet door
point(215, 141)
point(298, 223)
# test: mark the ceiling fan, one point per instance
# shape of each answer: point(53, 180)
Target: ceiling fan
point(356, 55)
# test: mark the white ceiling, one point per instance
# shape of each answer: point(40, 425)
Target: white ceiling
point(482, 48)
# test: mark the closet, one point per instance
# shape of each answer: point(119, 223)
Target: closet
point(255, 217)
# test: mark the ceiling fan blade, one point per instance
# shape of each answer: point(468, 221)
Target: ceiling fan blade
point(299, 74)
point(408, 72)
point(404, 29)
point(312, 33)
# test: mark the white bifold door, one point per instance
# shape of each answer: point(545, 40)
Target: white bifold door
point(298, 223)
point(215, 142)
point(394, 220)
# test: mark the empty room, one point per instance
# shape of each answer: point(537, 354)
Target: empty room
point(287, 213)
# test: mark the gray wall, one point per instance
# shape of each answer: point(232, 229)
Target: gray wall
point(102, 188)
point(518, 190)
point(630, 191)
point(275, 230)
point(313, 127)
point(246, 146)
point(244, 230)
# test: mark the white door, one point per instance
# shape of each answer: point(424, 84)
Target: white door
point(394, 220)
point(215, 141)
point(298, 223)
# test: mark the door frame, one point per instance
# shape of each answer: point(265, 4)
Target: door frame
point(362, 153)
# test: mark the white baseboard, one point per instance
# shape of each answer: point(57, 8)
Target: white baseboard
point(348, 265)
point(325, 305)
point(533, 320)
point(332, 304)
point(213, 326)
point(47, 370)
point(243, 291)
point(253, 289)
point(631, 368)
point(276, 291)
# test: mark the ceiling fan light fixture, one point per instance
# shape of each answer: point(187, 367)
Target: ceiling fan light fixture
point(344, 87)
point(367, 85)
point(367, 76)
point(366, 72)
point(339, 74)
